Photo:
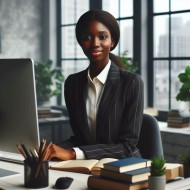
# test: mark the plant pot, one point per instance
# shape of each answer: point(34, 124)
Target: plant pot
point(157, 182)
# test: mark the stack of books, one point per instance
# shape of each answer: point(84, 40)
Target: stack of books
point(124, 174)
point(47, 112)
point(178, 120)
point(130, 174)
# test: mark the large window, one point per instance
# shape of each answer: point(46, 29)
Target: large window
point(71, 55)
point(123, 12)
point(170, 44)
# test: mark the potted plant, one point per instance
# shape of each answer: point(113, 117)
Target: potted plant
point(184, 91)
point(48, 81)
point(157, 179)
point(130, 65)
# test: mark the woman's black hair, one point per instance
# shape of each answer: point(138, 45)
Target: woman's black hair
point(105, 18)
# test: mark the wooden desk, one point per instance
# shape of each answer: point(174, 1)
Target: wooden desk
point(17, 181)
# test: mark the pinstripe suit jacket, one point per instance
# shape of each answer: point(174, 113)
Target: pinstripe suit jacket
point(119, 115)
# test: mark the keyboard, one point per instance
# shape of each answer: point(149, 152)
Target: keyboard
point(11, 157)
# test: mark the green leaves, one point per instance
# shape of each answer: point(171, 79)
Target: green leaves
point(48, 80)
point(184, 91)
point(157, 166)
point(129, 64)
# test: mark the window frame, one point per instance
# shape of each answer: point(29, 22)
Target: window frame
point(150, 36)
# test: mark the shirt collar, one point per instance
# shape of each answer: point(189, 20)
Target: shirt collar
point(103, 75)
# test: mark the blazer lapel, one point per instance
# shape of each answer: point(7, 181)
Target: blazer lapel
point(109, 94)
point(82, 114)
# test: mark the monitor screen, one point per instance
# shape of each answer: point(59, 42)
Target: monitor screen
point(18, 108)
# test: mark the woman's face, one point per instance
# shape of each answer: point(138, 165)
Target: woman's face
point(96, 42)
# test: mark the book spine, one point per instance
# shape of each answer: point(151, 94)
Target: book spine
point(102, 184)
point(178, 125)
point(130, 177)
point(99, 183)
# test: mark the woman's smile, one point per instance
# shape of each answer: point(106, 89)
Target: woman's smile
point(95, 53)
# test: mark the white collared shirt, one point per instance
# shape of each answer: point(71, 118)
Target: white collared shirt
point(94, 94)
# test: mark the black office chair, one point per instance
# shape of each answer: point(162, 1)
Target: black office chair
point(150, 142)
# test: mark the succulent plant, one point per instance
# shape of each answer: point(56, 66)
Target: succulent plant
point(157, 166)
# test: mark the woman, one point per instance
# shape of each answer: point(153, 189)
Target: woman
point(105, 102)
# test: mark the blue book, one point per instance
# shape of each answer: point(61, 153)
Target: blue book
point(127, 164)
point(132, 176)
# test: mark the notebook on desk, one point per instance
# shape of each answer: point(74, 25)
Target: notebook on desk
point(18, 109)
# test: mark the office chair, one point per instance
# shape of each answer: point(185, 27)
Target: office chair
point(150, 142)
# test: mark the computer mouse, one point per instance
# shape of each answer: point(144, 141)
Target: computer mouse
point(63, 182)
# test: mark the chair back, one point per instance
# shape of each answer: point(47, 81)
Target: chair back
point(150, 142)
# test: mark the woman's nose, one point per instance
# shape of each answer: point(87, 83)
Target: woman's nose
point(95, 42)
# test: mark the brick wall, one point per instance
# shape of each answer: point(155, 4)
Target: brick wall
point(175, 142)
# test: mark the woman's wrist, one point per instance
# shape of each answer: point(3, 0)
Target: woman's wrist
point(72, 154)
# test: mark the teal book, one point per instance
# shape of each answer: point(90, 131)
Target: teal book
point(132, 176)
point(127, 164)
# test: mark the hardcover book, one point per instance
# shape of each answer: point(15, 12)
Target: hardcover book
point(100, 183)
point(127, 164)
point(178, 125)
point(130, 176)
point(177, 119)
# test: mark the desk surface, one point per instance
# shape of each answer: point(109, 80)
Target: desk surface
point(164, 128)
point(17, 181)
point(79, 183)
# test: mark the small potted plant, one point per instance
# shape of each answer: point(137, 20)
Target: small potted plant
point(184, 91)
point(157, 179)
point(48, 81)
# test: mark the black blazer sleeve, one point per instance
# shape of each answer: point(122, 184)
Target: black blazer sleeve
point(119, 115)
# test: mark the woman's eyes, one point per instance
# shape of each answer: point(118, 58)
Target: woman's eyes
point(102, 37)
point(89, 37)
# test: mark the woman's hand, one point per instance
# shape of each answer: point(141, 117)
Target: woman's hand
point(55, 151)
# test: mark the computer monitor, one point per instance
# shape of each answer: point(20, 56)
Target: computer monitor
point(18, 108)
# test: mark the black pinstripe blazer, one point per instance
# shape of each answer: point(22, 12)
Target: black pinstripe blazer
point(119, 115)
